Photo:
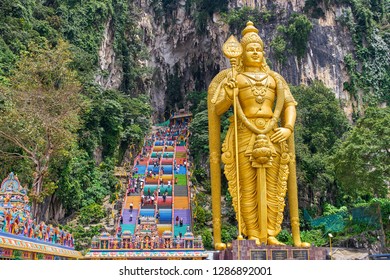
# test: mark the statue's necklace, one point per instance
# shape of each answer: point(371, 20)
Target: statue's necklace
point(258, 88)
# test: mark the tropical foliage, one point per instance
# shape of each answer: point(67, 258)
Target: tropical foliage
point(63, 133)
point(60, 131)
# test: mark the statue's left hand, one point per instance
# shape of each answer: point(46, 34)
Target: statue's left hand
point(281, 134)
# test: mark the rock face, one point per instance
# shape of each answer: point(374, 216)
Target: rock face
point(51, 210)
point(110, 74)
point(176, 49)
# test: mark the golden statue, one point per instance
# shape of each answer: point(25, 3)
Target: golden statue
point(259, 155)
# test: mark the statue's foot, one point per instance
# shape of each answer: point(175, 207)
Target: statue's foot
point(220, 246)
point(271, 240)
point(302, 245)
point(257, 240)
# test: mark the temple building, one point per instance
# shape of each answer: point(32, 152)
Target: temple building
point(21, 237)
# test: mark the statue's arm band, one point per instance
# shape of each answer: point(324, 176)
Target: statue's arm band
point(289, 126)
point(289, 103)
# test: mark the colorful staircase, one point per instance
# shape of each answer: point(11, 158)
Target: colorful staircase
point(163, 190)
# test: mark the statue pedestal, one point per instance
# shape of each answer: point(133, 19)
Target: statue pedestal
point(248, 250)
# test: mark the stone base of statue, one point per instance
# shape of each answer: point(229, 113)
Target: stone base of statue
point(248, 250)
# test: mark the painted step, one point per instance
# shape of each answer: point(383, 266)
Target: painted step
point(180, 229)
point(165, 216)
point(181, 191)
point(140, 169)
point(131, 228)
point(181, 202)
point(167, 161)
point(167, 204)
point(126, 217)
point(147, 212)
point(185, 214)
point(135, 199)
point(181, 171)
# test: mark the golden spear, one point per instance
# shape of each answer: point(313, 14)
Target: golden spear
point(232, 49)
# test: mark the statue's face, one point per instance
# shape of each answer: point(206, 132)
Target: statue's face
point(253, 55)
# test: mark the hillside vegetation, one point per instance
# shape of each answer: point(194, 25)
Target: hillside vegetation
point(63, 133)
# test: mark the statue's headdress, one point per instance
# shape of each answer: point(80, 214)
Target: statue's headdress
point(250, 35)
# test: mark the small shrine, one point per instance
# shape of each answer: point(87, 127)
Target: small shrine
point(14, 204)
point(167, 238)
point(181, 117)
point(104, 240)
point(146, 243)
point(127, 240)
point(19, 230)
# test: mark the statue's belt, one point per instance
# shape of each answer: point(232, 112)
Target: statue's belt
point(259, 122)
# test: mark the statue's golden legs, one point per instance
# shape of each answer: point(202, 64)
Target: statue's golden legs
point(249, 198)
point(258, 226)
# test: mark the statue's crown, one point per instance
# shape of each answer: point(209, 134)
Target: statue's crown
point(250, 35)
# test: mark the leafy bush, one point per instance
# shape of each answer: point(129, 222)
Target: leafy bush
point(90, 214)
point(199, 175)
point(237, 18)
point(228, 233)
point(200, 215)
point(315, 237)
point(207, 238)
point(362, 161)
point(278, 46)
point(331, 210)
point(319, 127)
point(199, 141)
point(83, 236)
point(297, 33)
point(285, 237)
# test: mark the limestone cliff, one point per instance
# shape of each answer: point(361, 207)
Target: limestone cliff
point(110, 74)
point(177, 50)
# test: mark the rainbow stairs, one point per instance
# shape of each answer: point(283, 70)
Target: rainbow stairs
point(163, 151)
point(164, 173)
point(181, 193)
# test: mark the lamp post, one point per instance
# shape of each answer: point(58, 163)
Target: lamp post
point(330, 245)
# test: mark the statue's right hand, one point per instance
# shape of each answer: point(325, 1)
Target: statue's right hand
point(220, 246)
point(231, 83)
point(229, 87)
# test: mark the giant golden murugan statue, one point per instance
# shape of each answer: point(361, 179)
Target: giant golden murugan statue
point(258, 153)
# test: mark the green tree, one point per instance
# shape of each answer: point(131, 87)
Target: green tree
point(320, 125)
point(278, 45)
point(197, 100)
point(113, 121)
point(41, 109)
point(238, 17)
point(207, 238)
point(199, 141)
point(92, 213)
point(362, 163)
point(80, 180)
point(297, 32)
